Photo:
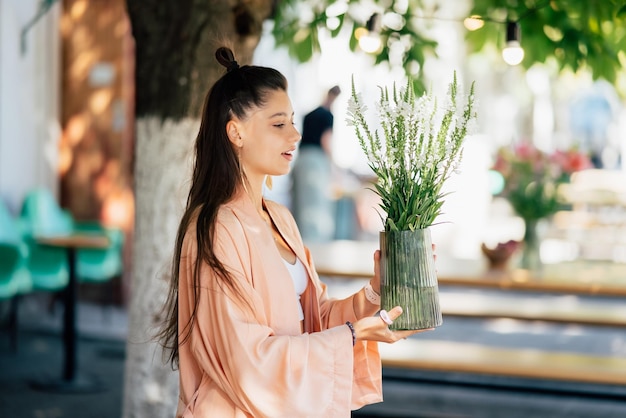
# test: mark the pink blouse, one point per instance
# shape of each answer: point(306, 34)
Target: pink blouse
point(247, 357)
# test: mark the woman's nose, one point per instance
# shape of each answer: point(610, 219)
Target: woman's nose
point(296, 135)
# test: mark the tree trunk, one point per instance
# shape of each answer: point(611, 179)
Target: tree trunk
point(175, 45)
point(175, 42)
point(162, 167)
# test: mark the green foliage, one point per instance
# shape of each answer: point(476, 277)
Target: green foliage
point(418, 148)
point(576, 34)
point(297, 24)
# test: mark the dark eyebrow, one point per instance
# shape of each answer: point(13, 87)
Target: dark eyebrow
point(280, 114)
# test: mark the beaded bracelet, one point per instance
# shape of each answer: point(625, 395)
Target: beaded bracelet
point(371, 294)
point(349, 324)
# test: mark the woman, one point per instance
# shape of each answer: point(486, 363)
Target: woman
point(250, 325)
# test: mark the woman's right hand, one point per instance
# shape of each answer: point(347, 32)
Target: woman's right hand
point(374, 328)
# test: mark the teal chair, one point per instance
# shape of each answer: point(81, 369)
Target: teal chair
point(99, 265)
point(42, 216)
point(14, 274)
point(15, 279)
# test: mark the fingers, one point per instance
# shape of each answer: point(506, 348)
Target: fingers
point(377, 263)
point(374, 328)
point(375, 282)
point(389, 317)
point(394, 312)
point(376, 257)
point(385, 317)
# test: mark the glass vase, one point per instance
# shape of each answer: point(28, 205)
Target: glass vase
point(409, 279)
point(531, 254)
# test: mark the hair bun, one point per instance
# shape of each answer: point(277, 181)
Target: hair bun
point(226, 58)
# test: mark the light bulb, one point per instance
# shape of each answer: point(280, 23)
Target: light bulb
point(473, 23)
point(513, 53)
point(369, 39)
point(370, 42)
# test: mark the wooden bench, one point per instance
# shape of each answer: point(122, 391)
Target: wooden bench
point(571, 310)
point(458, 357)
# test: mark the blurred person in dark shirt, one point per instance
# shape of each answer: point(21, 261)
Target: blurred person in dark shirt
point(313, 205)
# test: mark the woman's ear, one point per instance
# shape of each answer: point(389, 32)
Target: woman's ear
point(232, 131)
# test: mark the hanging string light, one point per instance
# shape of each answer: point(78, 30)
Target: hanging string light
point(473, 23)
point(513, 53)
point(369, 37)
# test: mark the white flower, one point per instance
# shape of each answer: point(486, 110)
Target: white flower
point(418, 148)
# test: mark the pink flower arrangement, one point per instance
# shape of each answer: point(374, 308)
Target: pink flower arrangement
point(571, 160)
point(531, 177)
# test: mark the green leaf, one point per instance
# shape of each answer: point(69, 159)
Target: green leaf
point(304, 49)
point(354, 42)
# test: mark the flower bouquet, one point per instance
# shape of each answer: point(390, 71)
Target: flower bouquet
point(417, 149)
point(532, 177)
point(531, 181)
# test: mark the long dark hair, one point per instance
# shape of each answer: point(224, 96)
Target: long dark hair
point(216, 176)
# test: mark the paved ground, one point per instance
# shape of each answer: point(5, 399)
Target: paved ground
point(39, 359)
point(102, 352)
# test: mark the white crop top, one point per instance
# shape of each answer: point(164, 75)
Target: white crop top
point(300, 280)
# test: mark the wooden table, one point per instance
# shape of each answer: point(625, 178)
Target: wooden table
point(458, 357)
point(354, 259)
point(71, 380)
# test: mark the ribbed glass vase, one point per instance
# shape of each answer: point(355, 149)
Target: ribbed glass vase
point(409, 279)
